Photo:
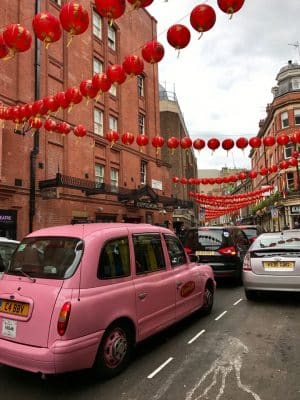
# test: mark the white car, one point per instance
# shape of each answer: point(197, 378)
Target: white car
point(272, 263)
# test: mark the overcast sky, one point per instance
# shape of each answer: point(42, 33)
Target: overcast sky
point(223, 81)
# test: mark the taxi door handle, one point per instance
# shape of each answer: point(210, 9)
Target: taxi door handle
point(141, 296)
point(178, 284)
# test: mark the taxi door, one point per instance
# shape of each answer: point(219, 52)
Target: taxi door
point(154, 285)
point(187, 279)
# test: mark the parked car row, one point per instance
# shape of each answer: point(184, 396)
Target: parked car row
point(81, 296)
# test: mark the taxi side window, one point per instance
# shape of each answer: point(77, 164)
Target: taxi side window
point(149, 256)
point(114, 259)
point(175, 250)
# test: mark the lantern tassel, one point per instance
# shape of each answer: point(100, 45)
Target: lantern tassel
point(200, 36)
point(70, 40)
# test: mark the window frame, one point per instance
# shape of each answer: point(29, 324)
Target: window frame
point(141, 85)
point(101, 257)
point(181, 258)
point(111, 37)
point(98, 125)
point(97, 31)
point(284, 118)
point(297, 116)
point(99, 177)
point(142, 122)
point(143, 252)
point(143, 172)
point(114, 180)
point(113, 123)
point(100, 63)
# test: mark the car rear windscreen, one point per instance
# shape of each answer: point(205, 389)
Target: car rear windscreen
point(211, 239)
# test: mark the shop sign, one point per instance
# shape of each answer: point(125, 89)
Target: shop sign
point(274, 213)
point(295, 209)
point(50, 193)
point(156, 184)
point(145, 204)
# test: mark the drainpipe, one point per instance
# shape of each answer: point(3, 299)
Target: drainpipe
point(36, 136)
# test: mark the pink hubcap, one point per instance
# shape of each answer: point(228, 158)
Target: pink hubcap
point(115, 348)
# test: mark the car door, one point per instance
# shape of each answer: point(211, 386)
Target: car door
point(154, 285)
point(187, 278)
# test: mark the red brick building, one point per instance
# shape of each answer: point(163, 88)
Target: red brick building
point(283, 116)
point(48, 178)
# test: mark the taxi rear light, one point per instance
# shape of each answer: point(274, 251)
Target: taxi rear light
point(188, 250)
point(63, 318)
point(227, 251)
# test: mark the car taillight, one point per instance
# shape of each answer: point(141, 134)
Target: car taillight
point(63, 318)
point(188, 250)
point(228, 251)
point(247, 262)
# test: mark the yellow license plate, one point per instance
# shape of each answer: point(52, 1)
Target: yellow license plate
point(205, 253)
point(14, 307)
point(276, 265)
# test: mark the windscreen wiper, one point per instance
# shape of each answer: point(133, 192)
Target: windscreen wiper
point(20, 269)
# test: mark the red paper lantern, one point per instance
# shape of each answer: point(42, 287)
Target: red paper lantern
point(79, 130)
point(112, 136)
point(202, 18)
point(110, 9)
point(273, 168)
point(269, 141)
point(35, 122)
point(252, 174)
point(255, 142)
point(230, 6)
point(50, 125)
point(172, 144)
point(213, 144)
point(242, 176)
point(100, 82)
point(293, 162)
point(46, 27)
point(63, 127)
point(61, 100)
point(74, 19)
point(295, 154)
point(282, 139)
point(158, 142)
point(17, 38)
point(178, 36)
point(127, 138)
point(73, 96)
point(142, 140)
point(295, 137)
point(264, 171)
point(153, 52)
point(219, 180)
point(199, 144)
point(140, 3)
point(87, 89)
point(186, 143)
point(184, 181)
point(284, 164)
point(227, 144)
point(4, 49)
point(133, 65)
point(39, 108)
point(241, 143)
point(51, 104)
point(116, 74)
point(175, 179)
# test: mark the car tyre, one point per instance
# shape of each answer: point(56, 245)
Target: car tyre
point(250, 294)
point(208, 300)
point(115, 350)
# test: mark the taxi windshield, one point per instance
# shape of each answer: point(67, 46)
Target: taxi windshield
point(46, 257)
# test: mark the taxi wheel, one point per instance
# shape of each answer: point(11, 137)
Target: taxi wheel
point(115, 350)
point(208, 300)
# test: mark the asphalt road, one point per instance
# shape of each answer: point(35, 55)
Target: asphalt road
point(243, 350)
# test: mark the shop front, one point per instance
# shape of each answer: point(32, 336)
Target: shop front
point(8, 224)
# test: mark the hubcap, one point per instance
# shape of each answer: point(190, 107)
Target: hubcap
point(115, 348)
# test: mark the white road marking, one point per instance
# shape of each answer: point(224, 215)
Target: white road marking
point(237, 302)
point(230, 360)
point(221, 315)
point(196, 336)
point(160, 368)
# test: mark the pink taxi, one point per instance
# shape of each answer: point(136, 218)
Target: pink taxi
point(81, 296)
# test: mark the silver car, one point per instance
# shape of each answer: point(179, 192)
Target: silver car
point(273, 263)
